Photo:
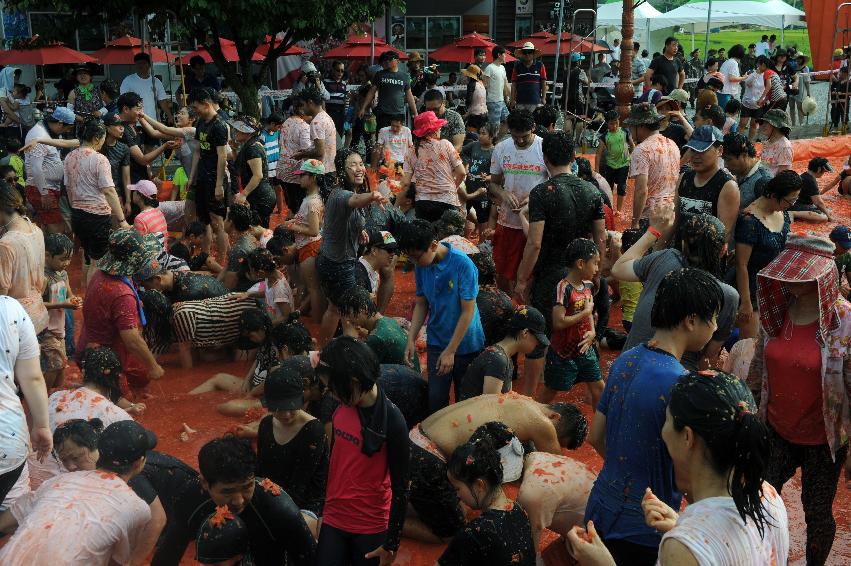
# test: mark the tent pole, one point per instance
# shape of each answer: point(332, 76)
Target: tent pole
point(692, 36)
point(708, 24)
point(372, 45)
point(783, 31)
point(558, 50)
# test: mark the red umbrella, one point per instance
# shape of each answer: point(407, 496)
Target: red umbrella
point(570, 44)
point(474, 40)
point(363, 38)
point(361, 51)
point(228, 50)
point(454, 53)
point(271, 43)
point(537, 38)
point(122, 50)
point(53, 54)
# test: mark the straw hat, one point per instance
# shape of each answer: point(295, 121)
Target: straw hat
point(474, 72)
point(414, 56)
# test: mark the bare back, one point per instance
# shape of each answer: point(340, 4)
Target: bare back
point(453, 425)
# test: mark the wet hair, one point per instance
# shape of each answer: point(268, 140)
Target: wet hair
point(58, 244)
point(200, 95)
point(82, 432)
point(629, 238)
point(782, 185)
point(497, 51)
point(720, 409)
point(93, 129)
point(355, 301)
point(733, 106)
point(545, 116)
point(343, 179)
point(276, 245)
point(497, 432)
point(252, 321)
point(580, 248)
point(736, 52)
point(683, 293)
point(763, 60)
point(585, 172)
point(221, 537)
point(660, 80)
point(6, 169)
point(492, 129)
point(432, 95)
point(312, 95)
point(520, 121)
point(180, 250)
point(485, 265)
point(274, 118)
point(100, 366)
point(344, 361)
point(477, 121)
point(293, 335)
point(416, 235)
point(110, 88)
point(558, 148)
point(476, 460)
point(11, 200)
point(703, 238)
point(738, 144)
point(240, 215)
point(572, 424)
point(227, 460)
point(611, 115)
point(397, 118)
point(158, 331)
point(22, 89)
point(195, 229)
point(261, 259)
point(128, 100)
point(714, 113)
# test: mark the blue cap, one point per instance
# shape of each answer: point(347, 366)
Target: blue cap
point(841, 236)
point(704, 137)
point(576, 57)
point(64, 115)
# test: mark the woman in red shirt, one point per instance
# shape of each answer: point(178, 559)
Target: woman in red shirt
point(799, 372)
point(367, 490)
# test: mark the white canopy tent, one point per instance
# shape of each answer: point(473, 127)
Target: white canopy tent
point(768, 13)
point(610, 14)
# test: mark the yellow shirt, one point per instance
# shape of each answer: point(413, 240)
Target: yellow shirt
point(630, 291)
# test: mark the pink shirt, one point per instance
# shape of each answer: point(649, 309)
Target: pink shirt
point(777, 156)
point(322, 128)
point(657, 157)
point(431, 168)
point(76, 519)
point(22, 272)
point(295, 137)
point(152, 221)
point(87, 174)
point(310, 205)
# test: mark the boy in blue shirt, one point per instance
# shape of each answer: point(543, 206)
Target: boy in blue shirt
point(627, 427)
point(271, 134)
point(447, 286)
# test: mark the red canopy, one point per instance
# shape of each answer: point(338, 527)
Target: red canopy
point(53, 54)
point(462, 50)
point(363, 38)
point(122, 50)
point(537, 38)
point(570, 44)
point(361, 51)
point(228, 50)
point(271, 43)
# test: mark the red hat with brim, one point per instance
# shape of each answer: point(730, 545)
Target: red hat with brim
point(426, 123)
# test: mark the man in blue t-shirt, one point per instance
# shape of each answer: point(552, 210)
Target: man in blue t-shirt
point(447, 286)
point(627, 427)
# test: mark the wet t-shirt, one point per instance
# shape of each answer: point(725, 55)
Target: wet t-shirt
point(299, 466)
point(238, 260)
point(163, 476)
point(190, 286)
point(501, 537)
point(494, 307)
point(388, 340)
point(132, 138)
point(492, 362)
point(210, 135)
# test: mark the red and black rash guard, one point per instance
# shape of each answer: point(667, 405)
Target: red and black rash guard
point(368, 494)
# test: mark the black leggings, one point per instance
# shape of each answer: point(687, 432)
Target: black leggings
point(628, 553)
point(431, 210)
point(339, 548)
point(7, 481)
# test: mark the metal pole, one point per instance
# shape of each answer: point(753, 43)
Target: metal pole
point(372, 45)
point(708, 24)
point(558, 48)
point(783, 30)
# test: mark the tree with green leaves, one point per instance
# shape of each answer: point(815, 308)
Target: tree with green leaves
point(246, 22)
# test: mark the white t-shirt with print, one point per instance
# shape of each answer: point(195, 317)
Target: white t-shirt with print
point(280, 292)
point(523, 170)
point(396, 144)
point(17, 342)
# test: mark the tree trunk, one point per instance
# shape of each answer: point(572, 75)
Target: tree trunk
point(247, 93)
point(624, 91)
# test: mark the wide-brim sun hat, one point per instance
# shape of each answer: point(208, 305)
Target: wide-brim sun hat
point(779, 119)
point(474, 72)
point(643, 114)
point(130, 252)
point(426, 123)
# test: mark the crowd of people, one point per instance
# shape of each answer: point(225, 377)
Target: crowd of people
point(731, 369)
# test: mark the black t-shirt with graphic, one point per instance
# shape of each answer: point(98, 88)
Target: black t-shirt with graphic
point(391, 91)
point(210, 135)
point(132, 138)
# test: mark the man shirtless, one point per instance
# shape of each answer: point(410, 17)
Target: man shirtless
point(434, 513)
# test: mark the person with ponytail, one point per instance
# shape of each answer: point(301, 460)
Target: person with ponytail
point(703, 244)
point(720, 451)
point(502, 533)
point(21, 257)
point(95, 207)
point(253, 169)
point(801, 375)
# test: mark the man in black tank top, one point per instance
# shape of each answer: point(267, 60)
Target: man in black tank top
point(706, 188)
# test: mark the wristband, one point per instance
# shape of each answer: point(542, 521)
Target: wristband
point(656, 233)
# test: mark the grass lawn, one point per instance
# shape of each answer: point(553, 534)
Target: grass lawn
point(727, 38)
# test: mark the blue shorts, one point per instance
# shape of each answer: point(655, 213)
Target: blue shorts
point(561, 374)
point(497, 112)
